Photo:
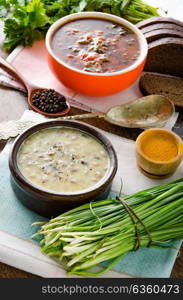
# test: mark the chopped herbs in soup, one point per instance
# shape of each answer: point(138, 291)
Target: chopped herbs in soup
point(63, 160)
point(96, 45)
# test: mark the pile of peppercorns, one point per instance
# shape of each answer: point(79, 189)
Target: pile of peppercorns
point(49, 101)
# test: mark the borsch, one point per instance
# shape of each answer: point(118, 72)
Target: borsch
point(96, 45)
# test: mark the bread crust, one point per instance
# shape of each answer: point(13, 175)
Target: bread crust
point(165, 56)
point(155, 20)
point(158, 26)
point(171, 87)
point(161, 33)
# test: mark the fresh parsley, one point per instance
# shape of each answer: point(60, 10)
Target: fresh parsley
point(26, 21)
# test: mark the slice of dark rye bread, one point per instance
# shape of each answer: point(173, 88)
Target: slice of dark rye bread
point(158, 26)
point(160, 33)
point(171, 87)
point(165, 56)
point(155, 20)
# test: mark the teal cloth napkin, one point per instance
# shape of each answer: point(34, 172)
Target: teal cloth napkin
point(17, 219)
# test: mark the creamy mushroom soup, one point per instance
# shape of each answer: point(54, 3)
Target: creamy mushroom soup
point(63, 160)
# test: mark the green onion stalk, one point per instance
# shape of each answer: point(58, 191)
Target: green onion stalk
point(107, 230)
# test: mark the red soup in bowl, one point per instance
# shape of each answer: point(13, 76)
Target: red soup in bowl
point(95, 55)
point(95, 45)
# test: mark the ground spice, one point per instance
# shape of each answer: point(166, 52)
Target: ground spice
point(160, 147)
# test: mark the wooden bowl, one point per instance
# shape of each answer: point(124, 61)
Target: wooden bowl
point(50, 203)
point(153, 168)
point(95, 84)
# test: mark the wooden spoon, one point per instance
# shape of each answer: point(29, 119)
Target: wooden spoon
point(146, 112)
point(31, 89)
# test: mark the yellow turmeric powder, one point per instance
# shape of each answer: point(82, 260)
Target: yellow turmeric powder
point(159, 147)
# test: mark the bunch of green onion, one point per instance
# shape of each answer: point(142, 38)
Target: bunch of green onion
point(107, 230)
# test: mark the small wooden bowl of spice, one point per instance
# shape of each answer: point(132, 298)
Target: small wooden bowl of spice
point(158, 152)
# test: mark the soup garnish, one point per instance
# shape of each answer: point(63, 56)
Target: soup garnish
point(96, 45)
point(63, 160)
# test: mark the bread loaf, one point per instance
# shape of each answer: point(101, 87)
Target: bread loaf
point(159, 26)
point(165, 56)
point(160, 33)
point(157, 20)
point(171, 87)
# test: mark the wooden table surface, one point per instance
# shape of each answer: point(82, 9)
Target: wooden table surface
point(14, 103)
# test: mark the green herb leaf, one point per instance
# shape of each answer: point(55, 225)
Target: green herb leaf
point(26, 26)
point(32, 18)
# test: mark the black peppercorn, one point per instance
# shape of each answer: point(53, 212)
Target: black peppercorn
point(49, 101)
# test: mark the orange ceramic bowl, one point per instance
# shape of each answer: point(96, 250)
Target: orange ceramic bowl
point(95, 84)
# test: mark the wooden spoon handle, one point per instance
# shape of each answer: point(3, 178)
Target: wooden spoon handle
point(84, 116)
point(12, 71)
